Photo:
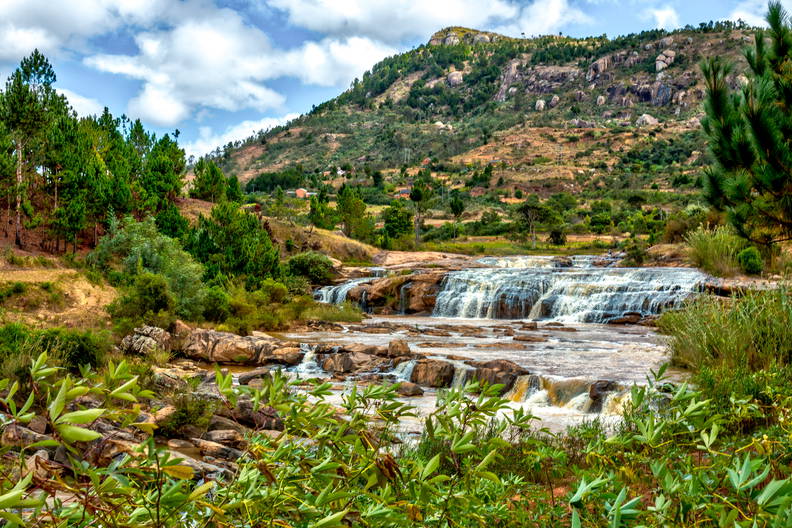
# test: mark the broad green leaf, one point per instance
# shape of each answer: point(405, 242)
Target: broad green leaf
point(81, 417)
point(72, 433)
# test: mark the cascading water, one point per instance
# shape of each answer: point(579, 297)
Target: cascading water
point(584, 295)
point(337, 294)
point(404, 370)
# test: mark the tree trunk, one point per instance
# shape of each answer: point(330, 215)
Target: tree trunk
point(18, 222)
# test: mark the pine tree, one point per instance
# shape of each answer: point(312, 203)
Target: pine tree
point(750, 135)
point(24, 110)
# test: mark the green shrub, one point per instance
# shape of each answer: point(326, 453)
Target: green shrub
point(147, 301)
point(752, 332)
point(76, 348)
point(191, 410)
point(750, 261)
point(217, 304)
point(314, 266)
point(715, 250)
point(132, 248)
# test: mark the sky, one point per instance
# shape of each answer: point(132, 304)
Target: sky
point(219, 70)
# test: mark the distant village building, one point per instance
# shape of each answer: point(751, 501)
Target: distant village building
point(402, 194)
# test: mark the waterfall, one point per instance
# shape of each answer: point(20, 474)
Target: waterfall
point(308, 366)
point(404, 297)
point(524, 387)
point(577, 294)
point(337, 294)
point(404, 370)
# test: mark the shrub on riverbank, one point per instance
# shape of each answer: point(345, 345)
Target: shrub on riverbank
point(753, 332)
point(715, 250)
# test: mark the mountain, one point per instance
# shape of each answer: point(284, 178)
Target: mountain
point(553, 104)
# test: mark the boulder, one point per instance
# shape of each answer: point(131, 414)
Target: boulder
point(481, 38)
point(408, 388)
point(224, 347)
point(216, 450)
point(264, 418)
point(601, 100)
point(554, 101)
point(598, 67)
point(146, 339)
point(398, 347)
point(451, 39)
point(540, 105)
point(498, 371)
point(598, 392)
point(228, 437)
point(433, 373)
point(37, 463)
point(221, 423)
point(455, 78)
point(246, 377)
point(647, 120)
point(627, 318)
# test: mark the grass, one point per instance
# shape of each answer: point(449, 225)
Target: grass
point(343, 313)
point(503, 247)
point(753, 332)
point(715, 250)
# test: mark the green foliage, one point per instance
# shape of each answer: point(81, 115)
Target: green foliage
point(751, 332)
point(749, 136)
point(234, 243)
point(217, 304)
point(321, 214)
point(397, 220)
point(147, 300)
point(209, 182)
point(315, 267)
point(135, 248)
point(170, 222)
point(715, 250)
point(750, 261)
point(192, 411)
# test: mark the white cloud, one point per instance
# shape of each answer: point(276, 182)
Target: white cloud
point(84, 106)
point(208, 140)
point(543, 17)
point(392, 21)
point(215, 62)
point(753, 12)
point(220, 62)
point(665, 17)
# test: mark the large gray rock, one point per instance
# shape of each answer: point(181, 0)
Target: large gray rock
point(540, 105)
point(647, 120)
point(455, 78)
point(146, 339)
point(224, 347)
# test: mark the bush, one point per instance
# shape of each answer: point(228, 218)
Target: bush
point(557, 236)
point(132, 248)
point(314, 266)
point(147, 301)
point(753, 332)
point(191, 411)
point(217, 304)
point(715, 250)
point(750, 261)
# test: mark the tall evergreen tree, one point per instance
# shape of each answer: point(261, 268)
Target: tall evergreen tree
point(750, 135)
point(24, 108)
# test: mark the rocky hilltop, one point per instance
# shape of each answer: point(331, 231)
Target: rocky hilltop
point(466, 88)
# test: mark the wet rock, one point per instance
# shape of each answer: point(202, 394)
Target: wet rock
point(408, 388)
point(627, 318)
point(530, 338)
point(177, 444)
point(598, 391)
point(499, 371)
point(433, 373)
point(398, 347)
point(146, 339)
